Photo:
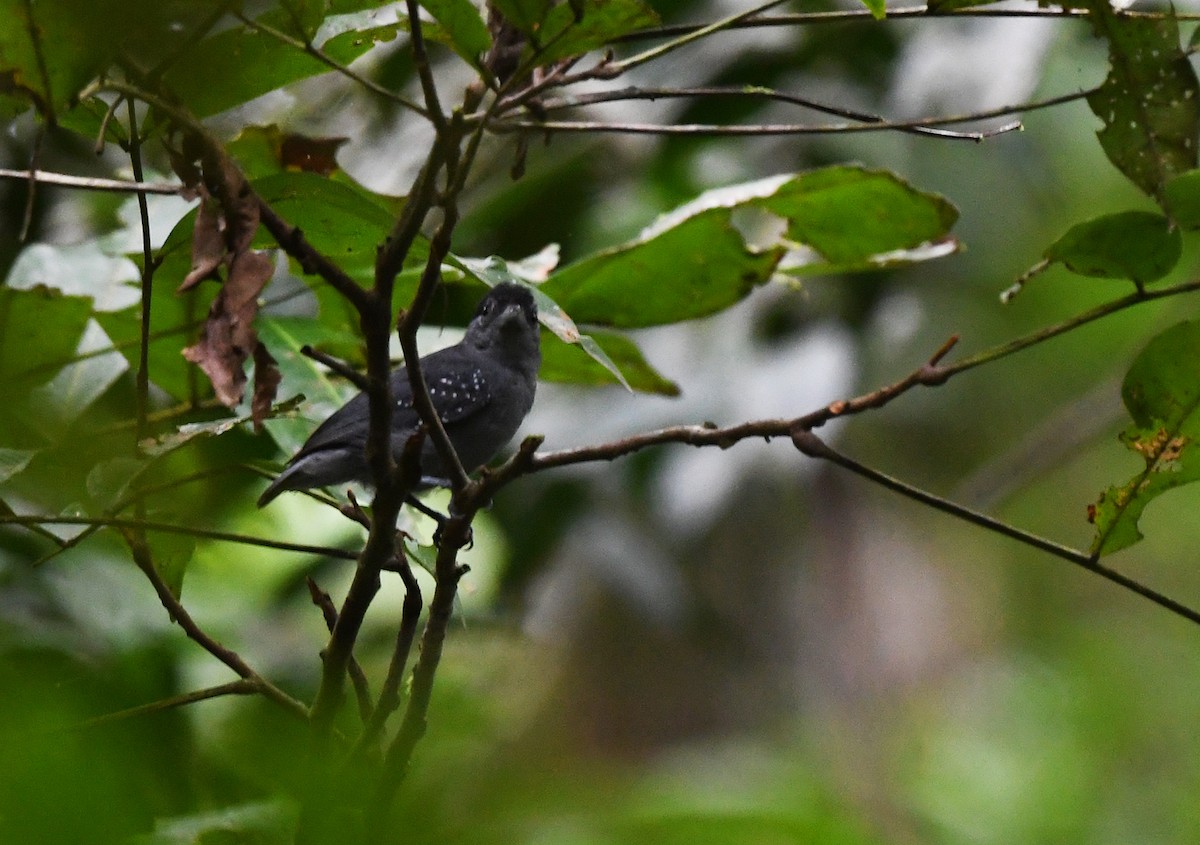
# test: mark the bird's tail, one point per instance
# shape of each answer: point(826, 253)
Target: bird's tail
point(279, 485)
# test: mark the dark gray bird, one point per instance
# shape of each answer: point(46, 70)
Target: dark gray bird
point(482, 388)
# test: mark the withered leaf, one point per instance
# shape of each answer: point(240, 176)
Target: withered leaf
point(266, 382)
point(229, 337)
point(315, 155)
point(208, 243)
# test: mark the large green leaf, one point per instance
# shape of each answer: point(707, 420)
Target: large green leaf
point(1137, 245)
point(40, 329)
point(1183, 198)
point(1162, 393)
point(851, 215)
point(50, 51)
point(695, 268)
point(463, 26)
point(1150, 101)
point(343, 222)
point(239, 63)
point(572, 364)
point(601, 22)
point(525, 15)
point(696, 260)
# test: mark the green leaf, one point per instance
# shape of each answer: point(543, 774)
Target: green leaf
point(50, 51)
point(1162, 393)
point(1137, 245)
point(602, 21)
point(158, 446)
point(693, 269)
point(1183, 199)
point(463, 25)
point(342, 221)
point(174, 318)
point(695, 260)
point(1150, 101)
point(579, 365)
point(851, 215)
point(814, 265)
point(12, 461)
point(40, 329)
point(238, 64)
point(525, 15)
point(877, 8)
point(171, 554)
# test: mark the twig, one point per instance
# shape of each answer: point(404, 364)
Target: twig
point(142, 379)
point(692, 36)
point(168, 528)
point(389, 693)
point(456, 534)
point(90, 183)
point(362, 689)
point(893, 14)
point(813, 446)
point(708, 130)
point(35, 157)
point(433, 105)
point(242, 686)
point(183, 619)
point(651, 93)
point(337, 365)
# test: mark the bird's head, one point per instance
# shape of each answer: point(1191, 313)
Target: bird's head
point(506, 323)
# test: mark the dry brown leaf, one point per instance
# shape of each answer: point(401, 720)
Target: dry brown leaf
point(315, 155)
point(266, 382)
point(208, 243)
point(229, 337)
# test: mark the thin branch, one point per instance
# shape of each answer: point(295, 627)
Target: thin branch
point(923, 125)
point(389, 693)
point(35, 157)
point(90, 183)
point(142, 379)
point(184, 620)
point(737, 92)
point(455, 535)
point(242, 686)
point(362, 688)
point(337, 365)
point(692, 36)
point(893, 14)
point(169, 528)
point(712, 130)
point(323, 57)
point(1017, 344)
point(813, 446)
point(433, 105)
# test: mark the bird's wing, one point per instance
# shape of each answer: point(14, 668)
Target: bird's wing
point(458, 394)
point(347, 426)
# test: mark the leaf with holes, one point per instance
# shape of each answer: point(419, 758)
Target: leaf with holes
point(1150, 101)
point(1162, 393)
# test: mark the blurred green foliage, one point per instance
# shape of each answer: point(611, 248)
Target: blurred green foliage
point(684, 646)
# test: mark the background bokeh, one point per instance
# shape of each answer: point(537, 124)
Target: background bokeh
point(737, 646)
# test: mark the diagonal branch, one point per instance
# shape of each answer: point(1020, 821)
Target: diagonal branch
point(814, 447)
